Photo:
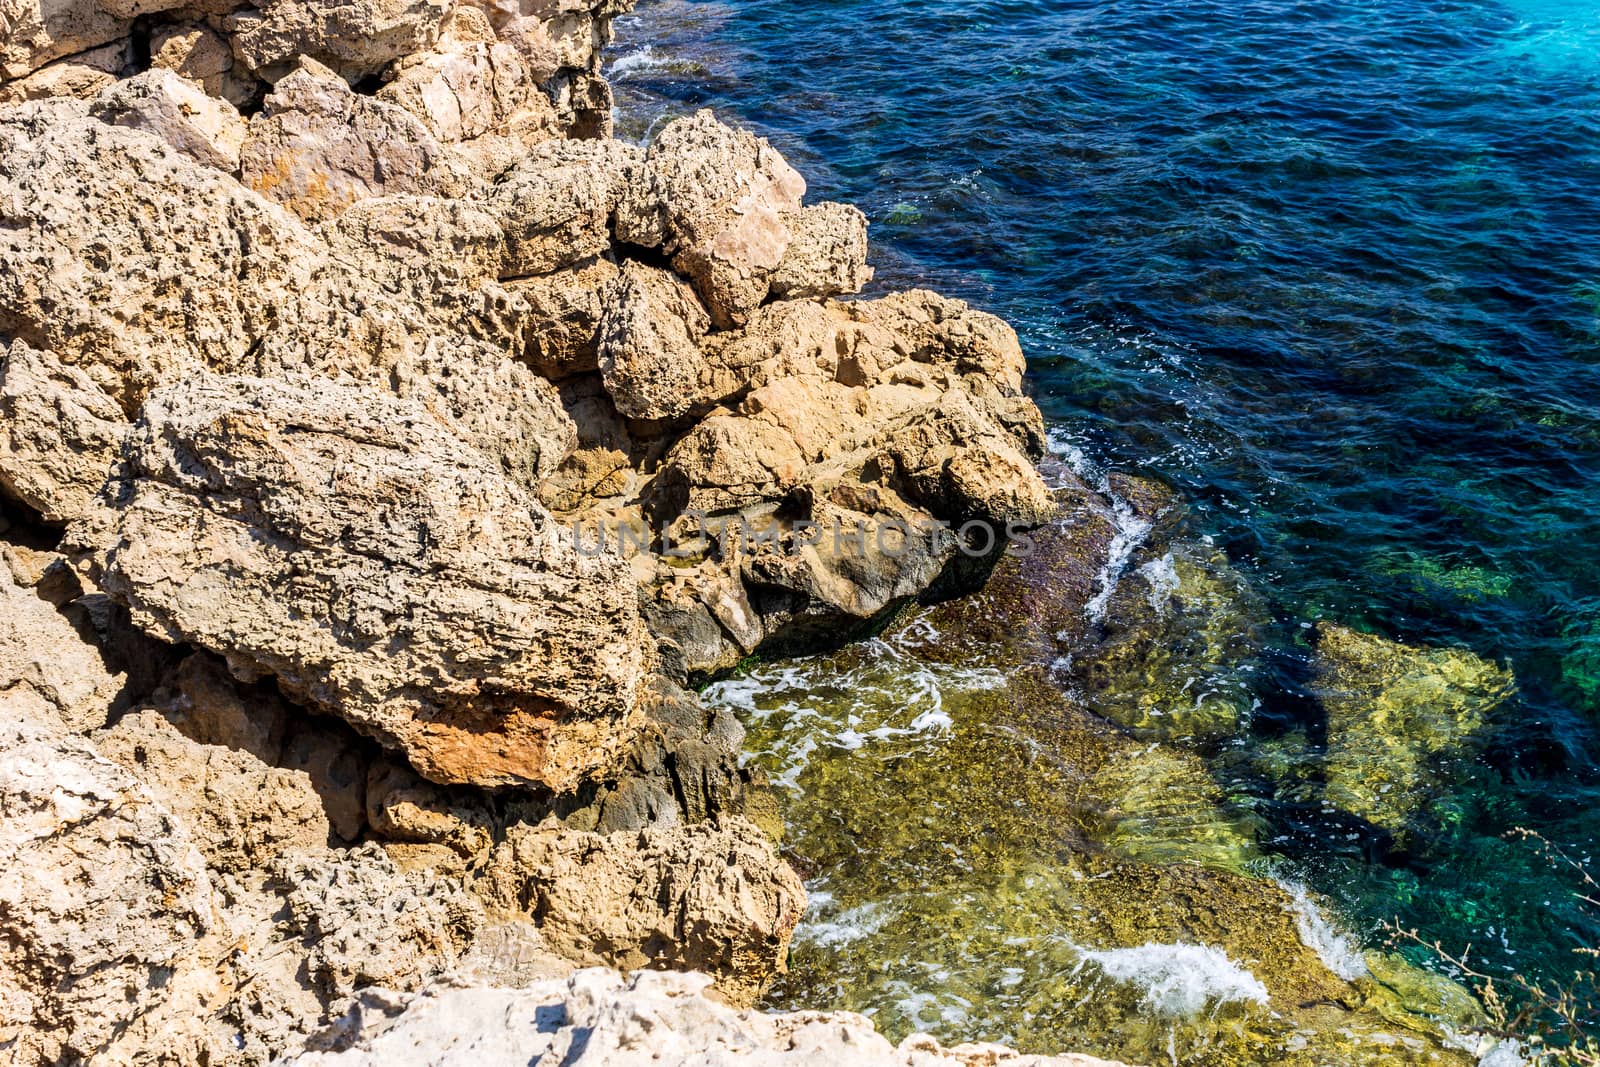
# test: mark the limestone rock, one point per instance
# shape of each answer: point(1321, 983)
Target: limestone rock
point(1393, 710)
point(50, 658)
point(196, 52)
point(472, 86)
point(83, 75)
point(60, 434)
point(601, 1017)
point(556, 205)
point(828, 253)
point(110, 942)
point(649, 351)
point(242, 812)
point(207, 129)
point(318, 146)
point(38, 31)
point(353, 37)
point(715, 199)
point(203, 267)
point(347, 543)
point(558, 316)
point(710, 896)
point(369, 924)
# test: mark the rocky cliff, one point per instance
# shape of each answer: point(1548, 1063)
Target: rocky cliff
point(384, 451)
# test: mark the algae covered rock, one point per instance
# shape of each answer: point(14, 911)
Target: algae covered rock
point(1396, 714)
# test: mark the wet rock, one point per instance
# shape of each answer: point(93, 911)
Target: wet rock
point(1395, 712)
point(206, 129)
point(348, 544)
point(61, 433)
point(712, 896)
point(599, 1016)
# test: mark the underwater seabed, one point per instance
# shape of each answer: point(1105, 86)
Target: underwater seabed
point(1011, 827)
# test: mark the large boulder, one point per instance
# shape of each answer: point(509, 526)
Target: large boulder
point(711, 896)
point(318, 146)
point(715, 199)
point(346, 542)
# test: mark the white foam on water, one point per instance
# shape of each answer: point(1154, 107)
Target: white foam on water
point(1179, 979)
point(1162, 577)
point(1130, 530)
point(843, 928)
point(887, 695)
point(1338, 951)
point(644, 60)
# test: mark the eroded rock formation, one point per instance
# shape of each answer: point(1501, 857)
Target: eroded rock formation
point(331, 334)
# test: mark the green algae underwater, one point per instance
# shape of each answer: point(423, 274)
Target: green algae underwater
point(1330, 272)
point(1010, 816)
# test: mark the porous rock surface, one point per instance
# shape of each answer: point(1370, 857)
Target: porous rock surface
point(327, 327)
point(599, 1016)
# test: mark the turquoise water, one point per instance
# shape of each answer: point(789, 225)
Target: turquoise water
point(1330, 270)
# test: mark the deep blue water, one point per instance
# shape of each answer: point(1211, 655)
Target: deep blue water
point(1331, 269)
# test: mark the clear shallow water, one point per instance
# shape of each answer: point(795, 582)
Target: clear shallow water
point(1333, 271)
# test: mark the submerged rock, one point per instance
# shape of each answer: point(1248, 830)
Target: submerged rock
point(1396, 712)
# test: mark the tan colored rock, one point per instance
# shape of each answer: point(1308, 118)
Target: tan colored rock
point(403, 806)
point(347, 543)
point(353, 37)
point(194, 51)
point(827, 255)
point(557, 316)
point(205, 128)
point(556, 205)
point(713, 897)
point(186, 291)
point(715, 199)
point(370, 924)
point(110, 940)
point(60, 433)
point(602, 1017)
point(83, 75)
point(35, 32)
point(649, 344)
point(241, 812)
point(318, 146)
point(50, 661)
point(473, 86)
